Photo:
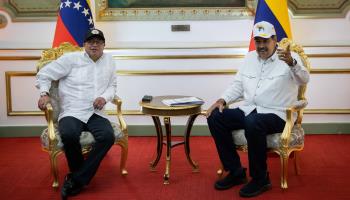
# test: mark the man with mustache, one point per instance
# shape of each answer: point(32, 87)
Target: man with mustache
point(87, 81)
point(268, 83)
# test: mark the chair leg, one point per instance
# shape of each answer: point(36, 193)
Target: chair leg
point(284, 170)
point(296, 162)
point(54, 171)
point(124, 155)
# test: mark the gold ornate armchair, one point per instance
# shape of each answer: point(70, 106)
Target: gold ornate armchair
point(291, 140)
point(50, 138)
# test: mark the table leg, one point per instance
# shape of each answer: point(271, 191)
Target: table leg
point(168, 149)
point(158, 126)
point(189, 125)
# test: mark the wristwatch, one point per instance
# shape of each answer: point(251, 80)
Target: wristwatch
point(294, 63)
point(44, 94)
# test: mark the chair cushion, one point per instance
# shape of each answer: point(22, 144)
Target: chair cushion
point(273, 140)
point(86, 137)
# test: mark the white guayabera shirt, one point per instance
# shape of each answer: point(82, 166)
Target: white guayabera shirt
point(269, 86)
point(81, 81)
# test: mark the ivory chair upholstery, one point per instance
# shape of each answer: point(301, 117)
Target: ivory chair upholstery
point(291, 140)
point(50, 137)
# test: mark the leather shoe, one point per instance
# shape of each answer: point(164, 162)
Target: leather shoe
point(255, 187)
point(70, 187)
point(233, 178)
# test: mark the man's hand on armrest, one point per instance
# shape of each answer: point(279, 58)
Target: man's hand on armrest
point(43, 100)
point(220, 103)
point(99, 103)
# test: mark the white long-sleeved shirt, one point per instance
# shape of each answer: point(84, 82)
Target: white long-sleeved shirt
point(81, 81)
point(269, 86)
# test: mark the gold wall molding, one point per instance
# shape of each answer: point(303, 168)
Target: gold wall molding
point(3, 21)
point(139, 113)
point(319, 8)
point(211, 72)
point(19, 57)
point(11, 112)
point(156, 57)
point(335, 111)
point(105, 13)
point(31, 10)
point(185, 72)
point(330, 71)
point(44, 10)
point(328, 55)
point(327, 111)
point(174, 72)
point(181, 57)
point(8, 76)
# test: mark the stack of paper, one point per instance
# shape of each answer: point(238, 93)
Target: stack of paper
point(183, 101)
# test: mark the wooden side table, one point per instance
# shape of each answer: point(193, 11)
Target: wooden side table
point(157, 109)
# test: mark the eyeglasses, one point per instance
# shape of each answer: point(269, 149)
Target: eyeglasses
point(95, 41)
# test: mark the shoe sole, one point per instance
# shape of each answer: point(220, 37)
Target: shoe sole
point(262, 190)
point(230, 186)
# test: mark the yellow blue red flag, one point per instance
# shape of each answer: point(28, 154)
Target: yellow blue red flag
point(275, 12)
point(73, 21)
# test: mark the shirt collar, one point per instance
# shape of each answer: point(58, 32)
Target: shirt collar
point(88, 57)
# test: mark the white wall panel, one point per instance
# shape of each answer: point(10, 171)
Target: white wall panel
point(24, 95)
point(329, 91)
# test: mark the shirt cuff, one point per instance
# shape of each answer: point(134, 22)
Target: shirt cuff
point(295, 68)
point(44, 89)
point(227, 99)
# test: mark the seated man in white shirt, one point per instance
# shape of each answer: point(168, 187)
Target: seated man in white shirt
point(268, 82)
point(87, 81)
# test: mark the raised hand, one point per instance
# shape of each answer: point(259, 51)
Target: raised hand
point(285, 55)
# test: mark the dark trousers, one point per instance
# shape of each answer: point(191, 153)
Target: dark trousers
point(70, 130)
point(256, 126)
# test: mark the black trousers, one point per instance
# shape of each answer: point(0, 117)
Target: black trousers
point(70, 130)
point(256, 125)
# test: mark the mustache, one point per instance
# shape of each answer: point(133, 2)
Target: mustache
point(262, 49)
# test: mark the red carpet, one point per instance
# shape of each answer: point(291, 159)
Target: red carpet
point(24, 172)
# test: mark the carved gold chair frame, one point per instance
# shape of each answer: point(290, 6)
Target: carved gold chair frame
point(52, 140)
point(285, 147)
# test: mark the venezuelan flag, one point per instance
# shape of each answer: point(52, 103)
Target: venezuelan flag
point(73, 21)
point(275, 12)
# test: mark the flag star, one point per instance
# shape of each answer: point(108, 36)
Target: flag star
point(85, 12)
point(67, 3)
point(90, 21)
point(77, 5)
point(61, 5)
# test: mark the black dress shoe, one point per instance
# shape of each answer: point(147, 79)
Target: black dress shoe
point(70, 187)
point(255, 187)
point(231, 179)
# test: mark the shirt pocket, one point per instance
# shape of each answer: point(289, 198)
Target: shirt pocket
point(277, 81)
point(81, 74)
point(249, 81)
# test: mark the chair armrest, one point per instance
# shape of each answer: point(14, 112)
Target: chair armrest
point(298, 106)
point(118, 102)
point(50, 124)
point(236, 101)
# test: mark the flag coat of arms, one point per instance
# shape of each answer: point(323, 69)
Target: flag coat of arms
point(275, 12)
point(73, 21)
